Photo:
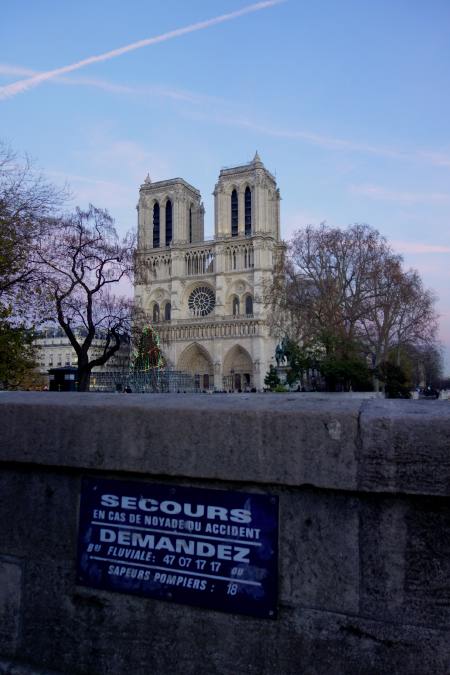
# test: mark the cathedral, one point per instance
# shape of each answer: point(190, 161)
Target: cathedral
point(204, 296)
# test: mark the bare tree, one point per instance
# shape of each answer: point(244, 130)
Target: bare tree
point(28, 204)
point(346, 292)
point(400, 313)
point(80, 264)
point(332, 268)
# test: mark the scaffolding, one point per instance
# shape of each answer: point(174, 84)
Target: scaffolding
point(156, 380)
point(147, 372)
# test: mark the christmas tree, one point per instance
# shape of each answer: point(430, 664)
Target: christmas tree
point(148, 357)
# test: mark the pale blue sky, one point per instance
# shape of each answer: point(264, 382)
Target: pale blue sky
point(347, 102)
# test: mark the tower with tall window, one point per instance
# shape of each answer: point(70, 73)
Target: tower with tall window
point(205, 296)
point(170, 212)
point(247, 201)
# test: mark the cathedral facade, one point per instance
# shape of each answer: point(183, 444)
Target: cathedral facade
point(204, 297)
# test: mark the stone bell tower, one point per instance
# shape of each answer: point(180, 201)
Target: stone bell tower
point(170, 212)
point(247, 201)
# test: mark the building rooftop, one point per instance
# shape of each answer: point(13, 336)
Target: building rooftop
point(148, 185)
point(256, 163)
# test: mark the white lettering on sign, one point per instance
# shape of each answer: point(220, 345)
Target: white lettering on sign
point(172, 508)
point(213, 548)
point(175, 545)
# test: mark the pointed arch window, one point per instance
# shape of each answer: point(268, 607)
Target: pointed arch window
point(235, 306)
point(155, 313)
point(234, 214)
point(156, 225)
point(168, 222)
point(167, 311)
point(190, 224)
point(248, 211)
point(249, 305)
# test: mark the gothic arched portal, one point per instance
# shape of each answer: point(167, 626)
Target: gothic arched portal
point(237, 369)
point(196, 361)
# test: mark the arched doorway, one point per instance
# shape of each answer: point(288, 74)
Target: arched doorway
point(237, 370)
point(196, 361)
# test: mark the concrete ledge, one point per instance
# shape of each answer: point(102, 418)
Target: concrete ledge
point(325, 441)
point(364, 532)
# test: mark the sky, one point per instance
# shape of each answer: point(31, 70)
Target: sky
point(347, 103)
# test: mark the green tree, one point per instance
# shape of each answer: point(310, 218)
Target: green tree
point(17, 353)
point(300, 360)
point(396, 384)
point(272, 380)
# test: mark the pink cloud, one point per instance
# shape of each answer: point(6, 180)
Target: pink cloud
point(381, 193)
point(419, 247)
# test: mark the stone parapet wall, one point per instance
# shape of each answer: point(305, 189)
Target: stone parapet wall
point(364, 532)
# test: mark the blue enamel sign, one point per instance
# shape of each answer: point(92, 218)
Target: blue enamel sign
point(211, 548)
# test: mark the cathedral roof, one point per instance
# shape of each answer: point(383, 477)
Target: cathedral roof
point(148, 185)
point(256, 163)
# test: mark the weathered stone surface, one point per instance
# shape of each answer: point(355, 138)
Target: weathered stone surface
point(364, 563)
point(39, 510)
point(264, 438)
point(405, 560)
point(405, 447)
point(102, 633)
point(370, 445)
point(10, 598)
point(319, 562)
point(15, 668)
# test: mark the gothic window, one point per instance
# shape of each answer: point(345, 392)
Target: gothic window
point(168, 222)
point(248, 211)
point(234, 214)
point(249, 304)
point(248, 257)
point(190, 224)
point(167, 311)
point(235, 306)
point(155, 313)
point(201, 301)
point(156, 225)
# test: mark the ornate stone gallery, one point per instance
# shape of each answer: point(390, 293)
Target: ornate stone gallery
point(205, 297)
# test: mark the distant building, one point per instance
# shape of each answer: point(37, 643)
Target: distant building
point(55, 351)
point(205, 297)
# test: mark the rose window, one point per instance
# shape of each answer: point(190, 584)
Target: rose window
point(201, 301)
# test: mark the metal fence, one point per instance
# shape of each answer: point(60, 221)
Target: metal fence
point(145, 382)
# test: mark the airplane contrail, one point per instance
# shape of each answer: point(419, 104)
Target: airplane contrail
point(20, 86)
